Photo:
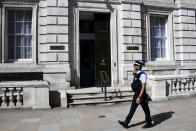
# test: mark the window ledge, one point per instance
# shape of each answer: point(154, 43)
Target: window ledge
point(24, 61)
point(161, 63)
point(18, 67)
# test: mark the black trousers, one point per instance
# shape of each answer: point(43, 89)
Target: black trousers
point(144, 106)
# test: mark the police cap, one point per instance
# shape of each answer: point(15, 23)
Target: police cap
point(138, 63)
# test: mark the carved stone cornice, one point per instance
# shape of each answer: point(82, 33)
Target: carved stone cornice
point(100, 1)
point(160, 3)
point(132, 1)
point(186, 4)
point(189, 4)
point(19, 1)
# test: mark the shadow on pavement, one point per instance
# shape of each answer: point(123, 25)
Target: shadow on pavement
point(158, 118)
point(137, 124)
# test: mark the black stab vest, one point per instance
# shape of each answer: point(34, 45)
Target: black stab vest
point(137, 84)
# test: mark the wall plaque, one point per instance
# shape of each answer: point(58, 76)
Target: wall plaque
point(132, 47)
point(57, 47)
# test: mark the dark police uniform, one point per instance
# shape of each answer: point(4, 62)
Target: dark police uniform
point(139, 78)
point(136, 87)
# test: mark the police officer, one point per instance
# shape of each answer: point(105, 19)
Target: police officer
point(140, 96)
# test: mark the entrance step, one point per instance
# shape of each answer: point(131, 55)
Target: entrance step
point(93, 96)
point(99, 102)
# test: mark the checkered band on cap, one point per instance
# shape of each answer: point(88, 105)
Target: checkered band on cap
point(138, 63)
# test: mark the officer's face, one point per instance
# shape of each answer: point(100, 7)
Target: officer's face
point(136, 67)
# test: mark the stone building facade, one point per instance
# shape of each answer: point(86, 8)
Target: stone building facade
point(68, 42)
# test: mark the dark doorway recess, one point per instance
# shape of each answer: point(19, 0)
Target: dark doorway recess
point(95, 52)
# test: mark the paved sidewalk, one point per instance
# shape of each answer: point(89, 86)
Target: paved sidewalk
point(172, 115)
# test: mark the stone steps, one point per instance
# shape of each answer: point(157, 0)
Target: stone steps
point(99, 102)
point(96, 96)
point(95, 90)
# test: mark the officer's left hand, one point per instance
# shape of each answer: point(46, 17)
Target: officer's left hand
point(138, 100)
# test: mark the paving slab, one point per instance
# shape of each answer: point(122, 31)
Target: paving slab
point(172, 115)
point(51, 127)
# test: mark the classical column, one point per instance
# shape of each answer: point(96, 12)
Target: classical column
point(177, 86)
point(188, 85)
point(4, 98)
point(11, 97)
point(170, 82)
point(183, 89)
point(19, 97)
point(174, 83)
point(194, 85)
point(191, 85)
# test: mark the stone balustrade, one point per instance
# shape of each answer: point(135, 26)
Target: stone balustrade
point(11, 97)
point(182, 86)
point(171, 86)
point(24, 94)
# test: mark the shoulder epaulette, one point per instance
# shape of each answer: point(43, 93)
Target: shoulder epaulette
point(142, 72)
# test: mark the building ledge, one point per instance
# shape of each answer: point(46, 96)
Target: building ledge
point(161, 64)
point(101, 1)
point(18, 67)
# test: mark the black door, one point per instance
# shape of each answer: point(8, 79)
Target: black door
point(87, 63)
point(87, 54)
point(102, 46)
point(95, 55)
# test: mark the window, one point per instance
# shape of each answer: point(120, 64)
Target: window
point(19, 36)
point(158, 37)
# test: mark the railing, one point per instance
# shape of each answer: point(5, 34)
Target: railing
point(24, 94)
point(11, 97)
point(182, 86)
point(104, 82)
point(171, 86)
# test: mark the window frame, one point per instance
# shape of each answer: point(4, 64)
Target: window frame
point(4, 49)
point(166, 37)
point(169, 44)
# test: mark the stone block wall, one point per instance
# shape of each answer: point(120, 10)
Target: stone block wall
point(185, 35)
point(55, 27)
point(131, 27)
point(182, 16)
point(53, 31)
point(131, 32)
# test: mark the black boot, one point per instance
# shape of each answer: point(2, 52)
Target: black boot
point(147, 125)
point(123, 123)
